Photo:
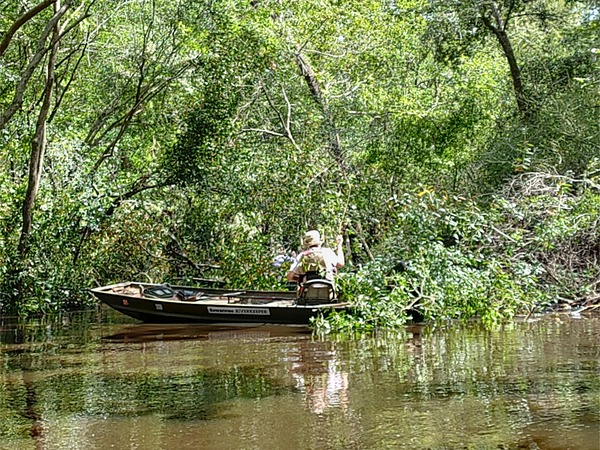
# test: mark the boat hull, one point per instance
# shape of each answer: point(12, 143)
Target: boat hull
point(213, 306)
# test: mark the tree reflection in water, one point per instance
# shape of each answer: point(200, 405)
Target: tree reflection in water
point(524, 385)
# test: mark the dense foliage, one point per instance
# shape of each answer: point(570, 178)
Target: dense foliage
point(455, 146)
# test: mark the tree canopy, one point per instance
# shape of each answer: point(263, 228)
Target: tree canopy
point(158, 139)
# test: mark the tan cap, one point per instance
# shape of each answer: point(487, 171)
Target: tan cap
point(312, 238)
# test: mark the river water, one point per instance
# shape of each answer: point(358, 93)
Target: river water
point(97, 380)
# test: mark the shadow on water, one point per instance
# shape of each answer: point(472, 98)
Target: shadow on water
point(138, 333)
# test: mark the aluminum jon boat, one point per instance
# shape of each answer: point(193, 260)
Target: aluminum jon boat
point(161, 303)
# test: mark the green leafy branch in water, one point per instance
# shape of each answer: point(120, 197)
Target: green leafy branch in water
point(521, 253)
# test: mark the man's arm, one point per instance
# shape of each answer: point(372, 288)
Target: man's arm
point(339, 251)
point(293, 274)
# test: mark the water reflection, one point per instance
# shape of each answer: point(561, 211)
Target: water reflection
point(137, 333)
point(319, 376)
point(95, 381)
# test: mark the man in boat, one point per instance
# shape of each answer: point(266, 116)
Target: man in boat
point(317, 261)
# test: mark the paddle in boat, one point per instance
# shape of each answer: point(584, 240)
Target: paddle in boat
point(162, 303)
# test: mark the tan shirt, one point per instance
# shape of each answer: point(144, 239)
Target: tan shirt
point(330, 259)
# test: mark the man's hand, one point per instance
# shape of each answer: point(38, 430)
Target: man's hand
point(292, 276)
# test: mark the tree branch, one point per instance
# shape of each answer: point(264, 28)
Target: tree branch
point(22, 21)
point(41, 50)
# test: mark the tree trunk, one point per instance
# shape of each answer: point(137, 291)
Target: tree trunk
point(38, 146)
point(499, 29)
point(316, 93)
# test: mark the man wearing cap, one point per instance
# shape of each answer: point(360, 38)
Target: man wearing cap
point(316, 261)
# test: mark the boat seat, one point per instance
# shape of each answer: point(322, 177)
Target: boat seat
point(162, 291)
point(316, 291)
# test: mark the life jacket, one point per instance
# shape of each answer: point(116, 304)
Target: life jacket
point(313, 261)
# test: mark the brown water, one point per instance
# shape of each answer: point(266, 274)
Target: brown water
point(100, 381)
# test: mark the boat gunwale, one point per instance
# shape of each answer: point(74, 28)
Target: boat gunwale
point(288, 297)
